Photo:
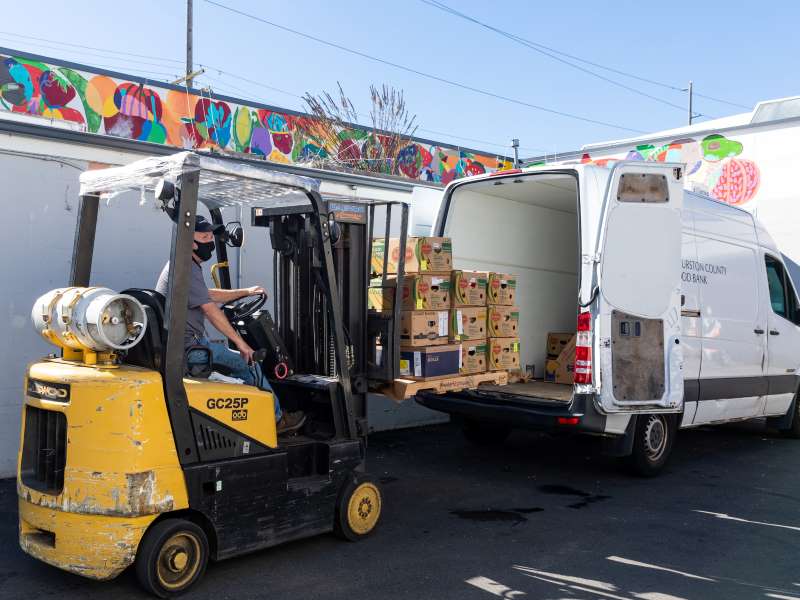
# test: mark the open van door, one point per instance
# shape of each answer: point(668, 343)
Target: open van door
point(639, 282)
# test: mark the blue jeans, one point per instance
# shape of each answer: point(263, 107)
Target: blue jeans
point(233, 362)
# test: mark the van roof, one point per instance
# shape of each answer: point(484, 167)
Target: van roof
point(565, 165)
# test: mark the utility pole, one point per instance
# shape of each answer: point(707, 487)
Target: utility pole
point(691, 112)
point(189, 37)
point(190, 73)
point(515, 145)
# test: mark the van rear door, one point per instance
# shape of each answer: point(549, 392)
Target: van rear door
point(640, 290)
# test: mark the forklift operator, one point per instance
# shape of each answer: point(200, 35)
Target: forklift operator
point(203, 305)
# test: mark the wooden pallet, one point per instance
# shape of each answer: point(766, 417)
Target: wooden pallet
point(406, 388)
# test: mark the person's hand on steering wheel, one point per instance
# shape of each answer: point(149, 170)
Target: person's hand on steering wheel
point(255, 291)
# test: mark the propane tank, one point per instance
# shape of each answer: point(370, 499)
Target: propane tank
point(89, 318)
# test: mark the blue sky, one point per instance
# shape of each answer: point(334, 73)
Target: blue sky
point(739, 51)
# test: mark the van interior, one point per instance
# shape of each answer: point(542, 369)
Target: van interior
point(525, 225)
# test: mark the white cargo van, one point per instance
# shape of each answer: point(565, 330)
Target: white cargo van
point(683, 309)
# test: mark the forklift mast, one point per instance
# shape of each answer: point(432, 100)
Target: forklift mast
point(310, 310)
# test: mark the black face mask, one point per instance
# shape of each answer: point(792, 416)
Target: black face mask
point(204, 250)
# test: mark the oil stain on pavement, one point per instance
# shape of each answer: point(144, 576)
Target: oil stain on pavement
point(511, 515)
point(564, 490)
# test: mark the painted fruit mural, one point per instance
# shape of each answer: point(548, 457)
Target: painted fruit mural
point(713, 164)
point(138, 109)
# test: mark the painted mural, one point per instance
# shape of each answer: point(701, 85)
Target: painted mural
point(713, 164)
point(137, 110)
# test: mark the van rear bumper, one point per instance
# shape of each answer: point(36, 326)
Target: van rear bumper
point(519, 412)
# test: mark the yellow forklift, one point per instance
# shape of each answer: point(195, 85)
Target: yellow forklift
point(129, 458)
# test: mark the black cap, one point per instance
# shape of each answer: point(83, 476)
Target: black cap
point(203, 225)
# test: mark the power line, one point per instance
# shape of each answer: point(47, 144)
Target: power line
point(250, 81)
point(147, 72)
point(226, 87)
point(92, 54)
point(535, 48)
point(30, 37)
point(422, 73)
point(549, 51)
point(294, 95)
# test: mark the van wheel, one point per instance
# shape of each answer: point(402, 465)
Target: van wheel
point(172, 557)
point(485, 434)
point(793, 431)
point(652, 444)
point(358, 508)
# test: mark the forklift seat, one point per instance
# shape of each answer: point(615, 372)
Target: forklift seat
point(148, 353)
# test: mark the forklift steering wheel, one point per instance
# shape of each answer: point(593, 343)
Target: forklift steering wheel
point(244, 307)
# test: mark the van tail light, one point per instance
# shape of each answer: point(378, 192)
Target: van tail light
point(583, 348)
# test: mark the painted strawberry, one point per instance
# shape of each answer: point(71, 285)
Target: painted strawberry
point(56, 92)
point(282, 141)
point(348, 152)
point(409, 161)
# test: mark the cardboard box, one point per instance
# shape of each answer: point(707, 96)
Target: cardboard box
point(503, 354)
point(474, 357)
point(424, 327)
point(430, 362)
point(426, 292)
point(502, 321)
point(502, 289)
point(562, 368)
point(468, 323)
point(469, 288)
point(380, 297)
point(556, 343)
point(423, 255)
point(420, 292)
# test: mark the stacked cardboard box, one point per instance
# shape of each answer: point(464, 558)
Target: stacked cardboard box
point(452, 321)
point(468, 319)
point(560, 366)
point(423, 255)
point(502, 322)
point(419, 292)
point(425, 348)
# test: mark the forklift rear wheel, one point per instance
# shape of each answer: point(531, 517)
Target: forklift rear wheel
point(485, 434)
point(172, 556)
point(358, 508)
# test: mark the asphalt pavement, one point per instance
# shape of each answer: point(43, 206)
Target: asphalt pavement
point(538, 517)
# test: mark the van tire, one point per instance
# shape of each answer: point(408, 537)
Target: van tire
point(653, 438)
point(793, 430)
point(485, 434)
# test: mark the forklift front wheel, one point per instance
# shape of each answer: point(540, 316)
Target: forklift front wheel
point(172, 556)
point(358, 508)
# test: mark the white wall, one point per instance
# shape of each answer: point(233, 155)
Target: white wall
point(39, 204)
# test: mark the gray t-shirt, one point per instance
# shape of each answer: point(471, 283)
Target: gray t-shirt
point(198, 295)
